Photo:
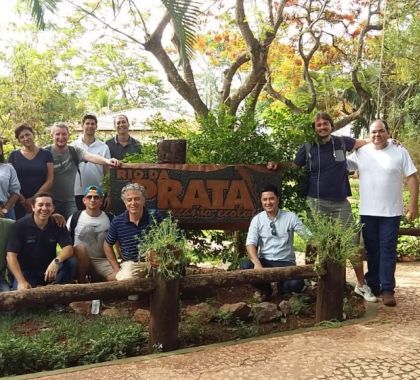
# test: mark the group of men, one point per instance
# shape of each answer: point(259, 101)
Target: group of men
point(92, 236)
point(79, 169)
point(382, 167)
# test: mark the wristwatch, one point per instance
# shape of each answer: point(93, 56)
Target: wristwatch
point(57, 261)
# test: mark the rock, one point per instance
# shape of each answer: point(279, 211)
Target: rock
point(81, 307)
point(238, 310)
point(284, 308)
point(142, 317)
point(203, 311)
point(265, 312)
point(116, 312)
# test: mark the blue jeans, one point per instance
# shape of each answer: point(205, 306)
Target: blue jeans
point(286, 286)
point(380, 235)
point(65, 275)
point(4, 286)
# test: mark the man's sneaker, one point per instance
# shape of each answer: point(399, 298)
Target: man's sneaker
point(261, 296)
point(389, 299)
point(365, 292)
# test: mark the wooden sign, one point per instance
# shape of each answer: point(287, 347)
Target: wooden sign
point(199, 196)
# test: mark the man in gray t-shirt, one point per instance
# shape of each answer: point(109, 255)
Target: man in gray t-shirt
point(66, 160)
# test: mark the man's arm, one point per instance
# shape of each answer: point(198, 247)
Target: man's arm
point(110, 255)
point(52, 269)
point(413, 189)
point(253, 256)
point(14, 267)
point(96, 159)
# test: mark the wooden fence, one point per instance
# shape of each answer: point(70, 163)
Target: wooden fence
point(165, 295)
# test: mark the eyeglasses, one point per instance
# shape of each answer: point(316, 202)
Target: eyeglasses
point(96, 197)
point(273, 229)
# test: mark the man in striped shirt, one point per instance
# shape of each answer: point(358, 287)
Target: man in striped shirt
point(127, 228)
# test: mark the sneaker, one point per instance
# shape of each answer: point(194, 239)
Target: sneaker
point(133, 297)
point(59, 308)
point(389, 299)
point(261, 296)
point(365, 292)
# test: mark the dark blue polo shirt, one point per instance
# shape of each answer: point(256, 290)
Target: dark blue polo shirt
point(36, 248)
point(128, 234)
point(118, 151)
point(328, 169)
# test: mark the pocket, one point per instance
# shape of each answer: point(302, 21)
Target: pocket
point(339, 155)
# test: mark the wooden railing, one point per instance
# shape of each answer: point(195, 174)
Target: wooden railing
point(165, 295)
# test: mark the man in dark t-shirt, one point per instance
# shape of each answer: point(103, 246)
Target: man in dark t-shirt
point(122, 143)
point(32, 244)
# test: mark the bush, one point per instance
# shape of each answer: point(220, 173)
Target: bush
point(53, 341)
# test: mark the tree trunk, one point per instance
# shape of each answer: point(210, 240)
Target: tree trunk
point(50, 294)
point(164, 314)
point(329, 303)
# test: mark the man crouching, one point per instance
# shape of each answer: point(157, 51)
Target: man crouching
point(31, 248)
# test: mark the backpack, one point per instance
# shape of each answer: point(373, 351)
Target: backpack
point(73, 155)
point(303, 185)
point(75, 218)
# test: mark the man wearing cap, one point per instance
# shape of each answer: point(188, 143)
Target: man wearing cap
point(88, 229)
point(31, 248)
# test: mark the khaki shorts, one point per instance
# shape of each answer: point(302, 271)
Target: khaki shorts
point(101, 266)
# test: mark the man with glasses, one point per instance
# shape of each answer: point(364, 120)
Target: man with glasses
point(269, 242)
point(88, 229)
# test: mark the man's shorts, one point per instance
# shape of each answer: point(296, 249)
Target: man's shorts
point(101, 266)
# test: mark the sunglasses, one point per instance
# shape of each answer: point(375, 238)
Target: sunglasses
point(273, 229)
point(96, 197)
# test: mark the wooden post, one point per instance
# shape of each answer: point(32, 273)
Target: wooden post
point(172, 151)
point(329, 303)
point(164, 314)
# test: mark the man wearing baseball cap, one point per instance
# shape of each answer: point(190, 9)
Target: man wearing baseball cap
point(89, 229)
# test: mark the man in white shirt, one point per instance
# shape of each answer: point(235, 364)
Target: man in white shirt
point(90, 173)
point(89, 229)
point(382, 168)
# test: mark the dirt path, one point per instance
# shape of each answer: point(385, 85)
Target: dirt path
point(384, 347)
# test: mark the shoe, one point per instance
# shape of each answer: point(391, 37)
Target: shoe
point(365, 292)
point(133, 297)
point(59, 308)
point(389, 299)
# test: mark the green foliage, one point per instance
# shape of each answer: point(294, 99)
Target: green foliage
point(334, 242)
point(54, 341)
point(166, 244)
point(299, 304)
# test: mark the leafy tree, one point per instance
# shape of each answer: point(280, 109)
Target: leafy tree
point(319, 32)
point(30, 92)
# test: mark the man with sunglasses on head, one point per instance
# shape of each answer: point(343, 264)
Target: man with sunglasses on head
point(89, 228)
point(269, 242)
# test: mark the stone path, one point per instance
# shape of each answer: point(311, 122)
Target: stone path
point(384, 347)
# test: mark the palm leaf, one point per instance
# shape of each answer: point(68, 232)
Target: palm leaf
point(184, 15)
point(38, 8)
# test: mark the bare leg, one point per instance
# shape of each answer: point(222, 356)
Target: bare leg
point(83, 263)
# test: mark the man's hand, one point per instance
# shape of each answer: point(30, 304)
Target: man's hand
point(59, 220)
point(113, 162)
point(23, 285)
point(412, 213)
point(51, 272)
point(271, 165)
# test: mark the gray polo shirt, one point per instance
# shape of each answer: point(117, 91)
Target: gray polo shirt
point(278, 247)
point(118, 151)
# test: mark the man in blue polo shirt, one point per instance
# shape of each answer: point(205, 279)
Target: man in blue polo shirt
point(32, 244)
point(269, 242)
point(127, 228)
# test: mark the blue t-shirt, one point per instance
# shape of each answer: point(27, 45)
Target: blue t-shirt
point(328, 178)
point(32, 174)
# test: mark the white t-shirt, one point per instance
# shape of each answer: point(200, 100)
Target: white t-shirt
point(381, 173)
point(92, 174)
point(91, 232)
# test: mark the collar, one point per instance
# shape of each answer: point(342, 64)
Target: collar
point(116, 139)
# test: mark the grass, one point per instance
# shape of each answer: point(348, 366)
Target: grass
point(32, 341)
